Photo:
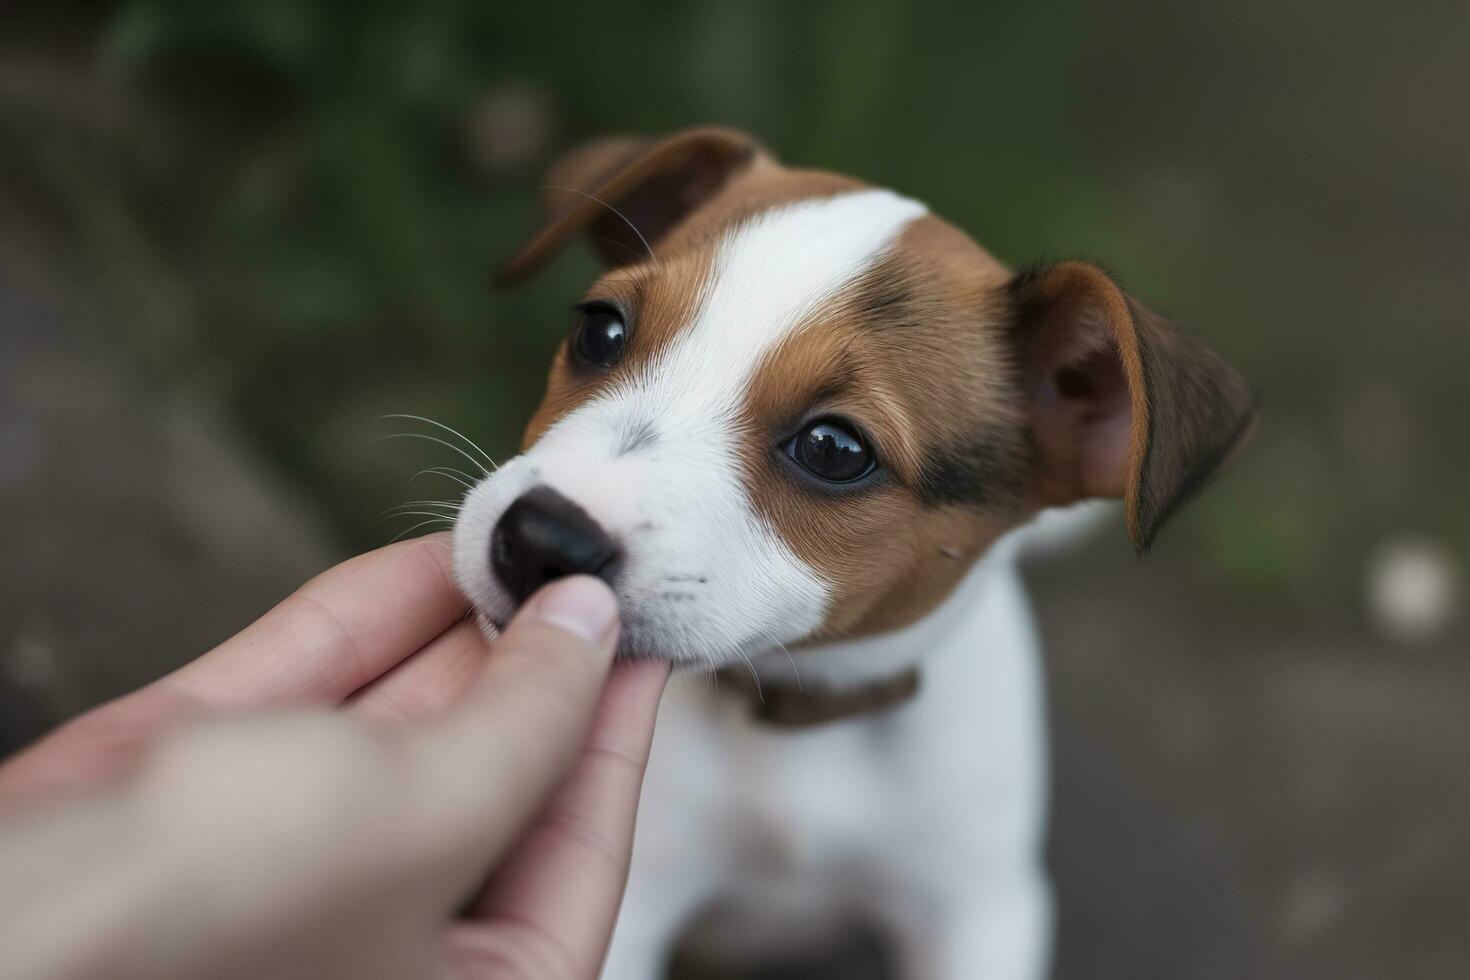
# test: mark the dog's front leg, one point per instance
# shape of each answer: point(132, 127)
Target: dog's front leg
point(999, 931)
point(654, 910)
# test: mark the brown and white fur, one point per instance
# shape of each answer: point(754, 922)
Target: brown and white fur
point(758, 298)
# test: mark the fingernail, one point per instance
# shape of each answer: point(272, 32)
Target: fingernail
point(581, 605)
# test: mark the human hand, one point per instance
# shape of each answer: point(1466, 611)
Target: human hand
point(318, 794)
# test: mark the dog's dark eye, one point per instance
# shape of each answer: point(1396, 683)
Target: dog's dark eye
point(831, 451)
point(601, 336)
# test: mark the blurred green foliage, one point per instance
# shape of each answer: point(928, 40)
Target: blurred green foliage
point(294, 208)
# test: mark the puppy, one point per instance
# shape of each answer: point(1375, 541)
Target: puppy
point(792, 427)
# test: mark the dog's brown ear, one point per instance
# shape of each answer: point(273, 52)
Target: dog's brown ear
point(1121, 403)
point(627, 192)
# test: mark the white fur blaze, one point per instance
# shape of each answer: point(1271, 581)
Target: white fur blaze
point(705, 579)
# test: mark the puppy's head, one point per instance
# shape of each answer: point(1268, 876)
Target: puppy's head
point(797, 408)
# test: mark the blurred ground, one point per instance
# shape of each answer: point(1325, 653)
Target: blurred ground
point(138, 530)
point(232, 235)
point(1292, 778)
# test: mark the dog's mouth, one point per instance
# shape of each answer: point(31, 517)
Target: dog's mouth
point(628, 648)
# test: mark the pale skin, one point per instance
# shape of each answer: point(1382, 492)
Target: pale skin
point(318, 795)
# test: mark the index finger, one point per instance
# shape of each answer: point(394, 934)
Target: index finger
point(336, 633)
point(564, 881)
point(479, 774)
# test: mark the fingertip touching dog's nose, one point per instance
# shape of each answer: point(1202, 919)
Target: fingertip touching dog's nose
point(544, 536)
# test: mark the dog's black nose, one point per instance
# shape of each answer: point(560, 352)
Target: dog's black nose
point(544, 536)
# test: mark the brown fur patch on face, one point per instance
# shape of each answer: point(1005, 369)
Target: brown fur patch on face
point(913, 351)
point(660, 297)
point(921, 353)
point(915, 354)
point(658, 301)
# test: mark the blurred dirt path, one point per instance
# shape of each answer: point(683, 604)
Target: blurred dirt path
point(1228, 775)
point(136, 529)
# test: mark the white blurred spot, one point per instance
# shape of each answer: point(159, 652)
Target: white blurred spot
point(1413, 588)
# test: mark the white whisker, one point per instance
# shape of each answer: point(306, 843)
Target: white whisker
point(626, 221)
point(408, 531)
point(467, 440)
point(442, 442)
point(613, 241)
point(446, 518)
point(794, 669)
point(759, 695)
point(409, 512)
point(452, 505)
point(449, 473)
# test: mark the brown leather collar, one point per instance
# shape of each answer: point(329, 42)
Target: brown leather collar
point(790, 706)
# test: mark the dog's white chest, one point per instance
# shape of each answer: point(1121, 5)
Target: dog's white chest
point(896, 812)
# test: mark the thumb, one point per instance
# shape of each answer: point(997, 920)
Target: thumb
point(481, 772)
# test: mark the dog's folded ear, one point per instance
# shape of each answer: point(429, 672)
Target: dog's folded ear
point(627, 192)
point(1121, 403)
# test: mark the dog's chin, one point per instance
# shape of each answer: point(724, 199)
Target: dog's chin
point(634, 644)
point(489, 626)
